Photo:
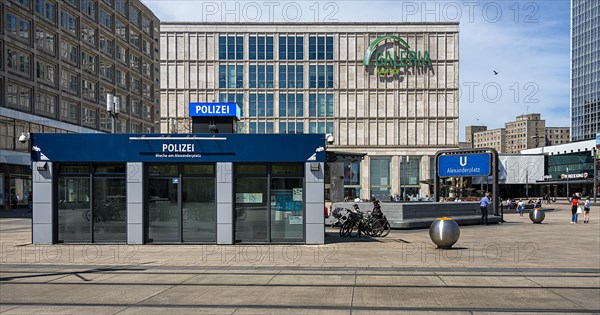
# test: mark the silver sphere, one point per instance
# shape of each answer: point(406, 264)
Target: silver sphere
point(444, 232)
point(537, 215)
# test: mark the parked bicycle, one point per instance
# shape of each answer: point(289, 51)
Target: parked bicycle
point(373, 224)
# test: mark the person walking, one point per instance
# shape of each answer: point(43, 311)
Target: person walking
point(483, 205)
point(574, 204)
point(586, 210)
point(520, 208)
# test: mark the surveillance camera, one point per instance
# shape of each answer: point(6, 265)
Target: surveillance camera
point(330, 138)
point(23, 138)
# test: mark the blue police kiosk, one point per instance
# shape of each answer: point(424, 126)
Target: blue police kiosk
point(215, 188)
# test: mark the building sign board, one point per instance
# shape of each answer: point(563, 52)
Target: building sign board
point(464, 165)
point(214, 110)
point(390, 61)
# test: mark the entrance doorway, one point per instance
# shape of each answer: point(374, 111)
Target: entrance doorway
point(181, 203)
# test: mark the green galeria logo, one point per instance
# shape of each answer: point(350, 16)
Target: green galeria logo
point(388, 63)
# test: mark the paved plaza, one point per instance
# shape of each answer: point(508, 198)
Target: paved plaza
point(515, 267)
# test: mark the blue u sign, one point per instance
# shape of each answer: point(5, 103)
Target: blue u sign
point(463, 165)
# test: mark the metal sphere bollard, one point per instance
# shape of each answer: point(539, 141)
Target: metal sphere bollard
point(444, 232)
point(537, 215)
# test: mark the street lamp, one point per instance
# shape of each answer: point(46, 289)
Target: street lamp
point(567, 182)
point(113, 106)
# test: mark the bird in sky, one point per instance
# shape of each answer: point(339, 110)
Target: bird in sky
point(495, 72)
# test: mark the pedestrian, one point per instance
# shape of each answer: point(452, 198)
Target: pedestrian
point(586, 210)
point(520, 208)
point(14, 199)
point(574, 204)
point(483, 205)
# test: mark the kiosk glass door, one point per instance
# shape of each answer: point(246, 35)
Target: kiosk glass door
point(181, 203)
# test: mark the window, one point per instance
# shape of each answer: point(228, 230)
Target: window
point(68, 23)
point(320, 48)
point(291, 47)
point(233, 98)
point(68, 52)
point(260, 127)
point(88, 89)
point(89, 117)
point(88, 34)
point(120, 6)
point(261, 105)
point(121, 54)
point(136, 85)
point(261, 76)
point(134, 62)
point(88, 62)
point(88, 7)
point(260, 48)
point(46, 9)
point(136, 107)
point(18, 61)
point(105, 19)
point(231, 47)
point(146, 26)
point(18, 96)
point(69, 82)
point(320, 105)
point(320, 127)
point(320, 76)
point(17, 27)
point(45, 104)
point(106, 71)
point(147, 112)
point(106, 45)
point(146, 69)
point(134, 15)
point(45, 71)
point(291, 127)
point(120, 29)
point(291, 105)
point(380, 178)
point(121, 78)
point(134, 38)
point(146, 47)
point(69, 111)
point(409, 172)
point(147, 90)
point(291, 76)
point(24, 3)
point(45, 41)
point(231, 76)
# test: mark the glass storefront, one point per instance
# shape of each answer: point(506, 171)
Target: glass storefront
point(181, 203)
point(92, 203)
point(380, 178)
point(269, 203)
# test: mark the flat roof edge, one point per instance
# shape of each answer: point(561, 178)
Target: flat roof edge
point(308, 23)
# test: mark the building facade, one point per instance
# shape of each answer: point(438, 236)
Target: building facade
point(58, 61)
point(469, 135)
point(385, 89)
point(494, 138)
point(585, 69)
point(526, 132)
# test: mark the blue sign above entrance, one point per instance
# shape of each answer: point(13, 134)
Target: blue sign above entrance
point(463, 165)
point(77, 147)
point(214, 110)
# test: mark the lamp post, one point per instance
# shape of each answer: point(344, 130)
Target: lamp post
point(113, 106)
point(567, 182)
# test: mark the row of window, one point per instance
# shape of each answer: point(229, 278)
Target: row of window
point(290, 76)
point(290, 105)
point(45, 104)
point(290, 47)
point(289, 127)
point(47, 9)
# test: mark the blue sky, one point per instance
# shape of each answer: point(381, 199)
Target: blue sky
point(526, 42)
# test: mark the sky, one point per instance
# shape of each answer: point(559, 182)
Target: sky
point(525, 42)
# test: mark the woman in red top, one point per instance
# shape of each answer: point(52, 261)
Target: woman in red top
point(574, 204)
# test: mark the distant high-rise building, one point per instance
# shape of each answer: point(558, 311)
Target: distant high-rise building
point(470, 130)
point(585, 69)
point(527, 132)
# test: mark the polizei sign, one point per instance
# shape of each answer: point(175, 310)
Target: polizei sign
point(388, 62)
